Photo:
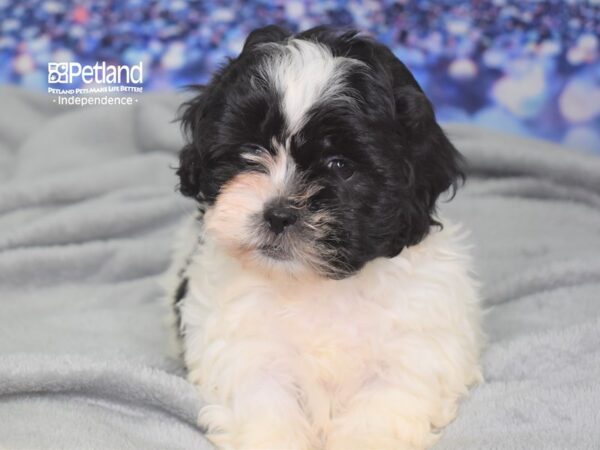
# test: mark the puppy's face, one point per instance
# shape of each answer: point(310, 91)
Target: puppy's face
point(315, 153)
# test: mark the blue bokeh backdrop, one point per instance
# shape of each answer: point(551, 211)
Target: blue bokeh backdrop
point(522, 66)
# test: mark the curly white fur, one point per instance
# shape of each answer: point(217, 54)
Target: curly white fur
point(375, 361)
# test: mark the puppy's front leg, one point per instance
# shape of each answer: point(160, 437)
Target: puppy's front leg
point(382, 416)
point(253, 403)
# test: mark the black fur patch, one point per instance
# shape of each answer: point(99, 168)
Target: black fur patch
point(180, 293)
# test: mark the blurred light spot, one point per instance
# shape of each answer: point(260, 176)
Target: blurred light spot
point(580, 100)
point(174, 57)
point(458, 27)
point(23, 64)
point(80, 14)
point(523, 95)
point(294, 9)
point(462, 69)
point(584, 51)
point(52, 7)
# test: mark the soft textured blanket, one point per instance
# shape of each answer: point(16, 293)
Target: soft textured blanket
point(87, 214)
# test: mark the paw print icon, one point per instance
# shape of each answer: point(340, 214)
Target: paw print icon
point(58, 72)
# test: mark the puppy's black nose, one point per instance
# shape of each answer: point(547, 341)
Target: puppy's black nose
point(279, 217)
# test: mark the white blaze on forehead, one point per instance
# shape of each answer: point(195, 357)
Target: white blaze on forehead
point(304, 73)
point(282, 174)
point(280, 167)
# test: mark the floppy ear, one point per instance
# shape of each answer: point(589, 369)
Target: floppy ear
point(189, 172)
point(191, 161)
point(432, 160)
point(437, 165)
point(198, 177)
point(432, 163)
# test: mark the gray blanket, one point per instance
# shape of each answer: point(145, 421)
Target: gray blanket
point(87, 213)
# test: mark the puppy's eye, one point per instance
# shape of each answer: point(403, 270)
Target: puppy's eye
point(341, 167)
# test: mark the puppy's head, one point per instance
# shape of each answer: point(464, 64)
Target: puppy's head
point(315, 153)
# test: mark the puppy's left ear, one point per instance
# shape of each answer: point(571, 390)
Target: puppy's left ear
point(433, 165)
point(436, 164)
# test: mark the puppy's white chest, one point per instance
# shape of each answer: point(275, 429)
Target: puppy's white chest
point(328, 334)
point(334, 335)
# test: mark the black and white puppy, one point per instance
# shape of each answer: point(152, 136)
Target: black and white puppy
point(321, 303)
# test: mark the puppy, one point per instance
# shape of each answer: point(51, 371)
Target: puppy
point(321, 304)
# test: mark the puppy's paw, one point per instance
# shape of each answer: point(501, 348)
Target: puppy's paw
point(259, 440)
point(366, 441)
point(377, 429)
point(259, 432)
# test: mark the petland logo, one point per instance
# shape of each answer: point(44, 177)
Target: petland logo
point(100, 84)
point(99, 73)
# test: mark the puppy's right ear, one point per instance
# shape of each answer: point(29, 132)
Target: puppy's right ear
point(189, 172)
point(191, 160)
point(270, 33)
